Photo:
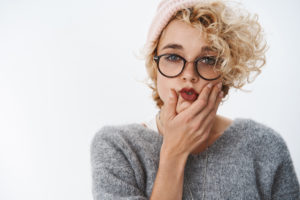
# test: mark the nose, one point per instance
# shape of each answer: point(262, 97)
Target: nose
point(189, 73)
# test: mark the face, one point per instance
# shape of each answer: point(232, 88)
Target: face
point(186, 41)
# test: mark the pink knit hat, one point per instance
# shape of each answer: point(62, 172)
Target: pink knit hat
point(165, 11)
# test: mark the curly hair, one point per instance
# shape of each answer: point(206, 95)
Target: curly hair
point(235, 34)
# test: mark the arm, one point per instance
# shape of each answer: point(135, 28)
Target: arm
point(169, 177)
point(182, 133)
point(112, 175)
point(286, 185)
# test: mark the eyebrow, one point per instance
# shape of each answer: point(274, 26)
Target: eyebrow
point(179, 47)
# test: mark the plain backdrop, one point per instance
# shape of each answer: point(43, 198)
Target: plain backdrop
point(67, 68)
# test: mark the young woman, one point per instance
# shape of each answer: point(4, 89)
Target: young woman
point(195, 52)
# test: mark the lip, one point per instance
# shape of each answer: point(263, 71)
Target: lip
point(188, 97)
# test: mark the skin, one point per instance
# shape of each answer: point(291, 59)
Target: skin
point(188, 127)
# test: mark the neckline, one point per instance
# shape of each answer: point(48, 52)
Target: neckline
point(214, 144)
point(225, 134)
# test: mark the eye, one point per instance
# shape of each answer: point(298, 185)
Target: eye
point(209, 60)
point(173, 58)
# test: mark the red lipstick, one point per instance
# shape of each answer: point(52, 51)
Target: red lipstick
point(188, 94)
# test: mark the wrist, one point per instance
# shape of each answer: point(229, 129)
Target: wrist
point(172, 158)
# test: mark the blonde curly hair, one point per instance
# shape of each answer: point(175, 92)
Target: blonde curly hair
point(236, 35)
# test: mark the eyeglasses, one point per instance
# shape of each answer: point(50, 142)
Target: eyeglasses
point(172, 65)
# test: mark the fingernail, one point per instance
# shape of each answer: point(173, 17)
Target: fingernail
point(209, 85)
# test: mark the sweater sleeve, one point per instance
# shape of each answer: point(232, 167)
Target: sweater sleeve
point(112, 175)
point(285, 184)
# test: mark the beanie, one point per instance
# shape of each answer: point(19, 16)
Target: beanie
point(165, 11)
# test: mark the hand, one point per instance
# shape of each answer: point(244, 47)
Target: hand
point(186, 131)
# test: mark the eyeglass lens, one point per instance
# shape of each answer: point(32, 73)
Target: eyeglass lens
point(172, 65)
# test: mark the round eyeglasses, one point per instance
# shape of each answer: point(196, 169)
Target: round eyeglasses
point(172, 65)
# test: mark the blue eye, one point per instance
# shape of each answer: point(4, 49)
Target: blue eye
point(173, 58)
point(211, 60)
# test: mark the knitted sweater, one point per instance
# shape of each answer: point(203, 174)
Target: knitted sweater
point(249, 161)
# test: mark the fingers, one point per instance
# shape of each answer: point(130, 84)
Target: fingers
point(207, 118)
point(168, 110)
point(218, 101)
point(201, 101)
point(202, 114)
point(213, 98)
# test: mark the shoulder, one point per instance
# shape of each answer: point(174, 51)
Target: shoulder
point(117, 169)
point(115, 133)
point(133, 131)
point(109, 132)
point(129, 137)
point(261, 138)
point(253, 129)
point(112, 144)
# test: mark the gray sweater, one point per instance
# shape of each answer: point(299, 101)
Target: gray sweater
point(249, 161)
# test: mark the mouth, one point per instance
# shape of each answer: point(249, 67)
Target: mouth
point(188, 94)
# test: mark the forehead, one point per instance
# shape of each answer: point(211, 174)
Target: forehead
point(181, 36)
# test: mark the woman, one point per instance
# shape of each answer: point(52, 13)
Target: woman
point(195, 52)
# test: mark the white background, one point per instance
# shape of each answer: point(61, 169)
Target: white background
point(69, 67)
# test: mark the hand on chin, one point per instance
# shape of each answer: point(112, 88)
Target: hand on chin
point(182, 104)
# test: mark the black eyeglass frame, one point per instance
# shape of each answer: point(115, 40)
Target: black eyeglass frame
point(157, 58)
